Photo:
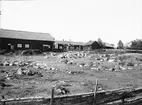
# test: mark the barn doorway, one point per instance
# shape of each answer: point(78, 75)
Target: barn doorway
point(10, 47)
point(46, 47)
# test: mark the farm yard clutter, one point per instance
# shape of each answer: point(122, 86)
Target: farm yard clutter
point(72, 55)
point(26, 71)
point(35, 65)
point(69, 72)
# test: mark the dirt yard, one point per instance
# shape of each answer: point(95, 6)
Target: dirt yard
point(69, 73)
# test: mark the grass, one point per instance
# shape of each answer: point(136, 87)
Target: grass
point(81, 79)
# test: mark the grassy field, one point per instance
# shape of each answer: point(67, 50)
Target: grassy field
point(74, 71)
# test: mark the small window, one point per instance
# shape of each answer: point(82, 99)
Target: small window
point(19, 45)
point(27, 45)
point(45, 45)
point(60, 47)
point(56, 45)
point(49, 46)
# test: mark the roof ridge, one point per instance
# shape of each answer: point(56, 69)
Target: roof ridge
point(24, 31)
point(7, 33)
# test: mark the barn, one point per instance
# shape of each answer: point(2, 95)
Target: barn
point(108, 46)
point(77, 46)
point(68, 46)
point(61, 45)
point(23, 40)
point(91, 45)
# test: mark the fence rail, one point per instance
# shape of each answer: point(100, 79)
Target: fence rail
point(124, 96)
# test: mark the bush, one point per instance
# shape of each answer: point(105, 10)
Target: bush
point(136, 44)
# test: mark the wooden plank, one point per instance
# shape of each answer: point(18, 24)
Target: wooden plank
point(52, 97)
point(95, 91)
point(101, 97)
point(117, 95)
point(66, 96)
point(132, 102)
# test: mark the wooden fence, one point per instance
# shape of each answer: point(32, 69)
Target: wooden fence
point(127, 96)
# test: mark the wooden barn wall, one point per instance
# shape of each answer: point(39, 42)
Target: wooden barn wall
point(76, 47)
point(60, 47)
point(95, 45)
point(87, 47)
point(33, 44)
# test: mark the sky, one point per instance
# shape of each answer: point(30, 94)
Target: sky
point(76, 20)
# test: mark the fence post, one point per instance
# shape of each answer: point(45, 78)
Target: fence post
point(95, 91)
point(3, 103)
point(52, 97)
point(123, 97)
point(123, 100)
point(3, 97)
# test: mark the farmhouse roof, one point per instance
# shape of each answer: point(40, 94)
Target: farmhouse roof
point(16, 34)
point(108, 45)
point(62, 42)
point(76, 43)
point(70, 42)
point(90, 43)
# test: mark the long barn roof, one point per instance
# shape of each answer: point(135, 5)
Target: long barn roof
point(70, 42)
point(15, 34)
point(108, 45)
point(90, 43)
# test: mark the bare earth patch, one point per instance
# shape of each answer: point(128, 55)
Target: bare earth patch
point(69, 73)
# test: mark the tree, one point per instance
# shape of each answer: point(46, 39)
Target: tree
point(120, 45)
point(100, 42)
point(137, 44)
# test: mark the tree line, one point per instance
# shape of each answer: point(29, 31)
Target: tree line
point(135, 44)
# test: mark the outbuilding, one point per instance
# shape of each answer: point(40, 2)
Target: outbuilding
point(77, 46)
point(108, 46)
point(91, 45)
point(61, 46)
point(23, 40)
point(68, 46)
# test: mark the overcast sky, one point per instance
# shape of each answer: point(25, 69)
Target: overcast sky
point(78, 20)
